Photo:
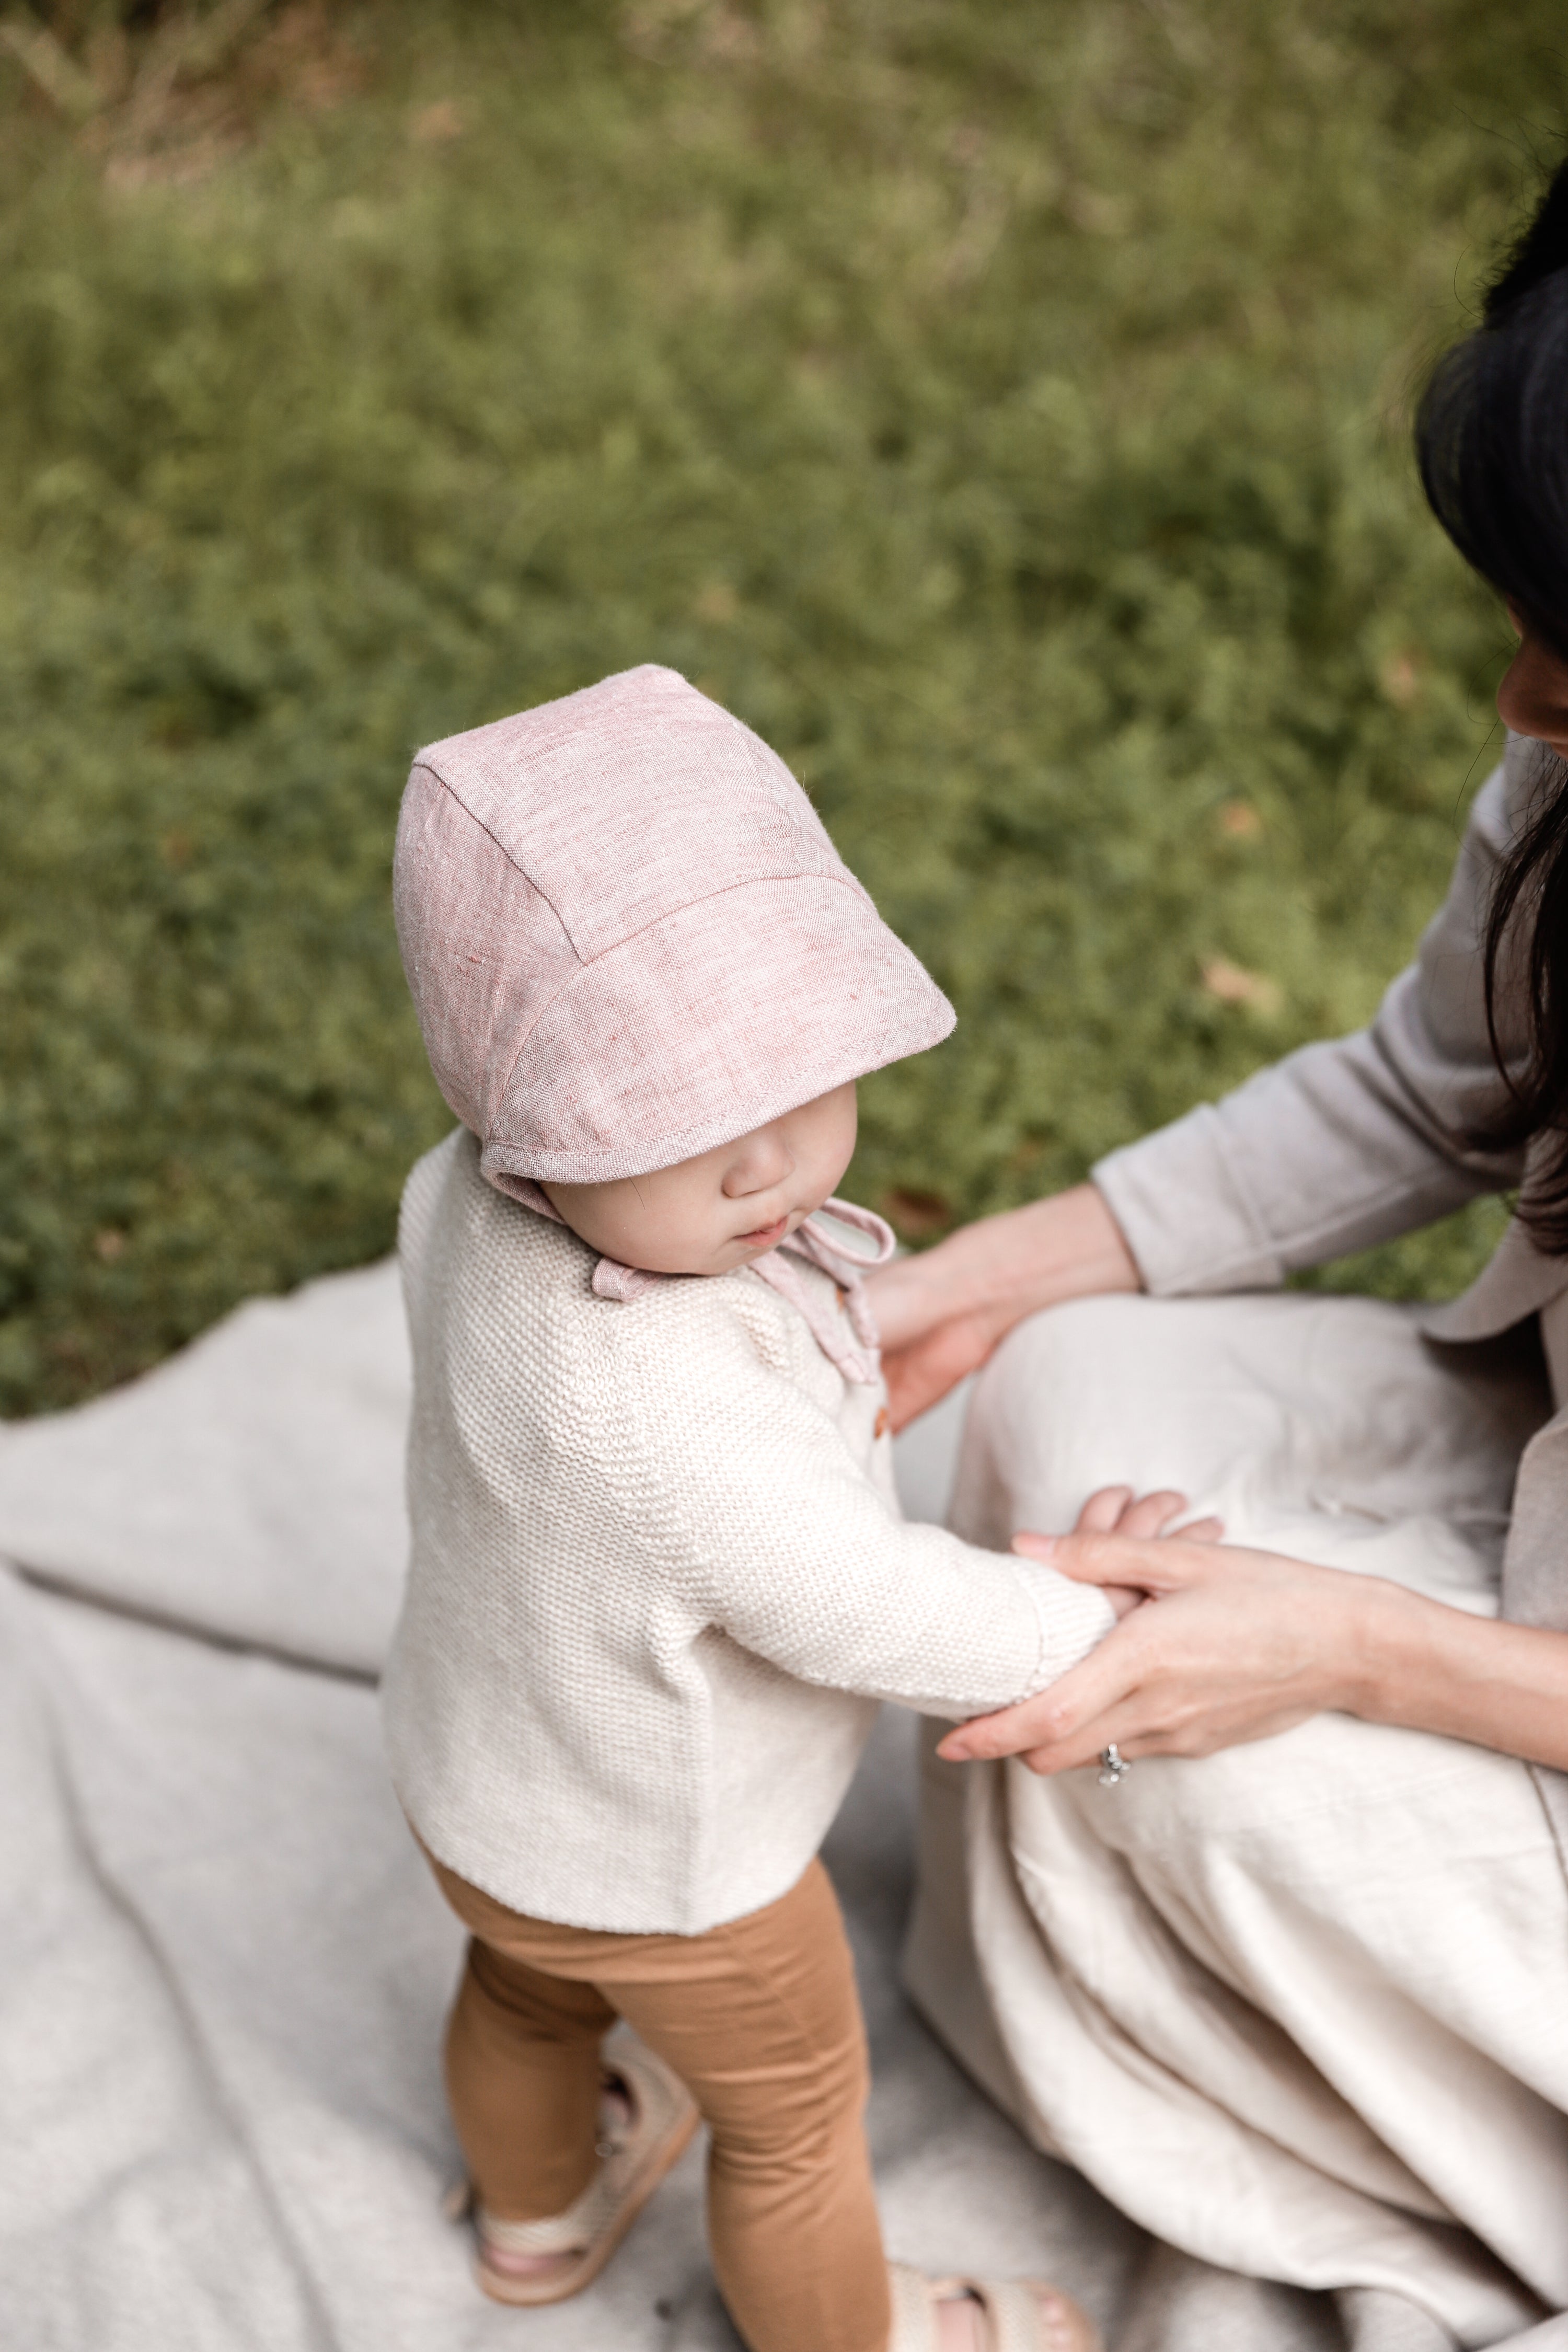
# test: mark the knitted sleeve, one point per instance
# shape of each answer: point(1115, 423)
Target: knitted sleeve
point(740, 1490)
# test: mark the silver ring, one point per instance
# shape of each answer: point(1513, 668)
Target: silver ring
point(1113, 1766)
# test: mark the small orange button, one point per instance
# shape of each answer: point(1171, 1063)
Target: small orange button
point(884, 1422)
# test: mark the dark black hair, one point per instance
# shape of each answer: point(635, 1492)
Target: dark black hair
point(1491, 441)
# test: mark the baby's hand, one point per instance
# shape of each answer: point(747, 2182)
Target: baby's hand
point(1118, 1511)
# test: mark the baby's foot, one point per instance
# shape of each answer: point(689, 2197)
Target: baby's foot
point(647, 2119)
point(615, 2112)
point(961, 2325)
point(540, 2266)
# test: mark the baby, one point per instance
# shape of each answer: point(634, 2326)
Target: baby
point(659, 1579)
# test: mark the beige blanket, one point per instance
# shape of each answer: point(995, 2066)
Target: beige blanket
point(223, 1968)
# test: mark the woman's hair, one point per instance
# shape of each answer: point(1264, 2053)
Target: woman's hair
point(1491, 440)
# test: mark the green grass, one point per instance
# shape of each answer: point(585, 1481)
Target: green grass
point(1002, 407)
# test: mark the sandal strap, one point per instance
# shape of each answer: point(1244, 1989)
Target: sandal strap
point(1018, 2315)
point(1028, 2315)
point(571, 2233)
point(658, 2099)
point(914, 2310)
point(1013, 2318)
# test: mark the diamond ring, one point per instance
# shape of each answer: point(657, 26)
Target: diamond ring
point(1113, 1766)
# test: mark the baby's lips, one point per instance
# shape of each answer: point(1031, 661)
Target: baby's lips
point(765, 1235)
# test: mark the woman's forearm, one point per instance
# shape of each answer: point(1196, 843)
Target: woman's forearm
point(1069, 1246)
point(1433, 1668)
point(1235, 1644)
point(1003, 1268)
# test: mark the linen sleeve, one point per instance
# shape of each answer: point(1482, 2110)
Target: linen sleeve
point(752, 1504)
point(1348, 1143)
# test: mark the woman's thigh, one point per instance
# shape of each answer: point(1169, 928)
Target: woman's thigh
point(1350, 1942)
point(1394, 1900)
point(1324, 1426)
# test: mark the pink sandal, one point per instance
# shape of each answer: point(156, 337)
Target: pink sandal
point(636, 2151)
point(1017, 2315)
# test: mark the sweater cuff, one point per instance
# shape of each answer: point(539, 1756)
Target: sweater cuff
point(1073, 1619)
point(1184, 1212)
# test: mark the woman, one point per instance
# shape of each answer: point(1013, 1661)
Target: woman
point(1288, 1976)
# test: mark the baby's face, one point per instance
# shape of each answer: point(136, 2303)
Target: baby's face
point(726, 1207)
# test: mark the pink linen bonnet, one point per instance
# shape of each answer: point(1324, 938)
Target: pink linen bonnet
point(629, 938)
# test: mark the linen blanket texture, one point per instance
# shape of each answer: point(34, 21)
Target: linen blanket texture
point(224, 1967)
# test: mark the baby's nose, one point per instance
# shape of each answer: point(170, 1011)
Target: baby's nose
point(764, 1160)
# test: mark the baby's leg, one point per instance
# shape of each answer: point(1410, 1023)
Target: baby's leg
point(524, 2079)
point(761, 2019)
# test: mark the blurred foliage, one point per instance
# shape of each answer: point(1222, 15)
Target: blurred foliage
point(1003, 409)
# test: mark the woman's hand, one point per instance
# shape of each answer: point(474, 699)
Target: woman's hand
point(941, 1313)
point(1235, 1646)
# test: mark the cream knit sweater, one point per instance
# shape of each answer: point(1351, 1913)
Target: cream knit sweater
point(658, 1579)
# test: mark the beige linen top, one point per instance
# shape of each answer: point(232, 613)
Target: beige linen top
point(1361, 1139)
point(659, 1578)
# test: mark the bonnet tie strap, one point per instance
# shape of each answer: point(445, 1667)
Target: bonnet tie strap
point(845, 1328)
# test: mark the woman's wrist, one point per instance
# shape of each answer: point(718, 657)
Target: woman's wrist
point(1394, 1643)
point(1424, 1665)
point(1075, 1249)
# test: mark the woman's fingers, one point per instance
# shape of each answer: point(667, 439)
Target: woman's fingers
point(922, 1373)
point(1124, 1726)
point(1234, 1646)
point(1152, 1563)
point(1051, 1719)
point(1009, 1732)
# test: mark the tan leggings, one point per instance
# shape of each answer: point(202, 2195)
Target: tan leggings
point(760, 2020)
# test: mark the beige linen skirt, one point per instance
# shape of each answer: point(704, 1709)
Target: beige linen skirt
point(1302, 2007)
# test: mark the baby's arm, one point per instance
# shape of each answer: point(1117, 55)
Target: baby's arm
point(749, 1497)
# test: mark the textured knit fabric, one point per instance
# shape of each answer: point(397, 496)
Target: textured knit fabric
point(629, 938)
point(658, 1579)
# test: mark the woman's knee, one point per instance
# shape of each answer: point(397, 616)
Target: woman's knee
point(1146, 1393)
point(1049, 1421)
